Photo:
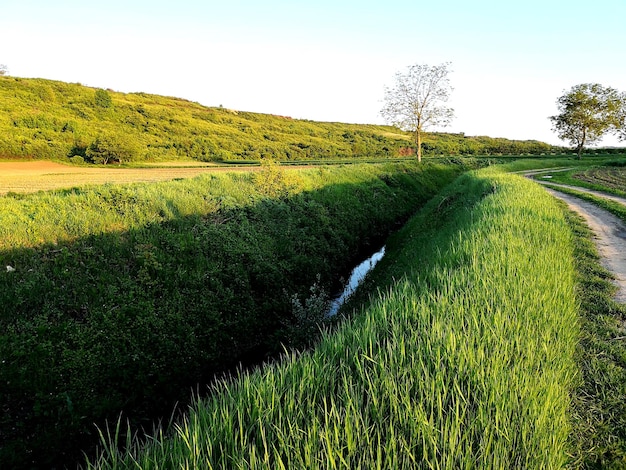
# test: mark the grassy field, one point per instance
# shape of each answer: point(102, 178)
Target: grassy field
point(459, 362)
point(123, 297)
point(598, 438)
point(29, 177)
point(598, 411)
point(609, 177)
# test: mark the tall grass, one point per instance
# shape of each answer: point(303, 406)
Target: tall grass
point(124, 297)
point(465, 359)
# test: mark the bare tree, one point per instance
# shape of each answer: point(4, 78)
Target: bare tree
point(417, 100)
point(587, 112)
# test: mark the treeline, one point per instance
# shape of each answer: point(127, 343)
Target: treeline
point(460, 144)
point(45, 119)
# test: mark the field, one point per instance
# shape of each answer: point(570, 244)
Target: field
point(609, 177)
point(459, 362)
point(28, 177)
point(598, 405)
point(123, 296)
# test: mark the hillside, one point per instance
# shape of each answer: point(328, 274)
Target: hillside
point(45, 119)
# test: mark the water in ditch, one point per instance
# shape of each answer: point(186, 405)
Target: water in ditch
point(356, 277)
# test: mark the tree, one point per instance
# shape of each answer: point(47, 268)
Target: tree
point(109, 148)
point(417, 100)
point(587, 112)
point(3, 69)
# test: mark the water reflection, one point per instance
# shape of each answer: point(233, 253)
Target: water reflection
point(356, 277)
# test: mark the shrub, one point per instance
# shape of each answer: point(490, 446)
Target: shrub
point(112, 148)
point(103, 99)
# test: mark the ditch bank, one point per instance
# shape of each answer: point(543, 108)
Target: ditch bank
point(461, 361)
point(146, 291)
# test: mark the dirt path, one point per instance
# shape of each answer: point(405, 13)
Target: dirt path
point(610, 234)
point(611, 197)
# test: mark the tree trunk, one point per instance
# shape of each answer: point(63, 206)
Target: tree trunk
point(581, 145)
point(418, 143)
point(579, 152)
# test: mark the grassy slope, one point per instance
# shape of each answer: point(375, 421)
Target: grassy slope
point(124, 296)
point(51, 119)
point(460, 363)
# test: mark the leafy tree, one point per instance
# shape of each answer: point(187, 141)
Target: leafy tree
point(3, 69)
point(110, 148)
point(586, 113)
point(417, 100)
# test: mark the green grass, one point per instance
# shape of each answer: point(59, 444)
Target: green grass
point(598, 438)
point(47, 119)
point(598, 407)
point(609, 178)
point(126, 296)
point(522, 164)
point(465, 360)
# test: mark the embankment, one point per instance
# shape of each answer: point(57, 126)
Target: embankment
point(465, 360)
point(121, 298)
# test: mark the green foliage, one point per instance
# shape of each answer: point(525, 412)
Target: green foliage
point(103, 98)
point(309, 316)
point(274, 181)
point(48, 119)
point(110, 148)
point(123, 297)
point(586, 113)
point(465, 358)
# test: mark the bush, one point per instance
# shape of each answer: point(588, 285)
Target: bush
point(103, 99)
point(112, 148)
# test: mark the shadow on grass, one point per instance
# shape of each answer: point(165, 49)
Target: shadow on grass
point(130, 322)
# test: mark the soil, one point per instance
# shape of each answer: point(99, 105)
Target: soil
point(609, 230)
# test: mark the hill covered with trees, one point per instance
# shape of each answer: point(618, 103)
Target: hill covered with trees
point(45, 119)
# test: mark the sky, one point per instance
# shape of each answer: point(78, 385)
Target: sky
point(327, 60)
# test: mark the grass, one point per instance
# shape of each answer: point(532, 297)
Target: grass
point(42, 176)
point(598, 438)
point(465, 359)
point(45, 119)
point(607, 178)
point(124, 297)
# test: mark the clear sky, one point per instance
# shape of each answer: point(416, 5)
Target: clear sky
point(327, 60)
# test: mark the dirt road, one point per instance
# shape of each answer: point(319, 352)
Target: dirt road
point(610, 234)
